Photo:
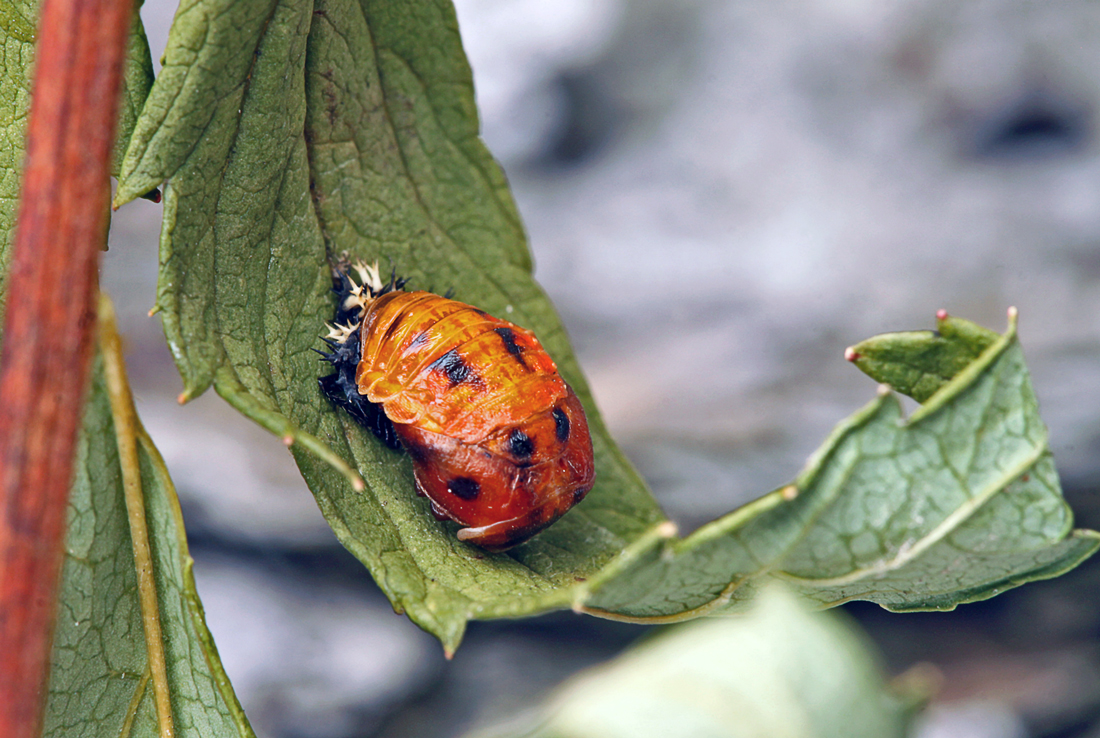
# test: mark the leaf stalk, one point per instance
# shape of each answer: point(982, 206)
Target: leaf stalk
point(126, 433)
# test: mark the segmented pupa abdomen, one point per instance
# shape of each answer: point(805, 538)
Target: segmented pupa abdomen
point(449, 368)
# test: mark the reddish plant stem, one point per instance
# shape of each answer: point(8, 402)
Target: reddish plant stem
point(48, 330)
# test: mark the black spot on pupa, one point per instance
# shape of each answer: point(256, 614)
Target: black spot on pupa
point(451, 364)
point(520, 444)
point(509, 337)
point(392, 328)
point(464, 488)
point(561, 424)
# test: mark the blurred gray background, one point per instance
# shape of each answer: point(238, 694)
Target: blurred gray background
point(720, 197)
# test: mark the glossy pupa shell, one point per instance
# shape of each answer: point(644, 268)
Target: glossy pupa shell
point(499, 442)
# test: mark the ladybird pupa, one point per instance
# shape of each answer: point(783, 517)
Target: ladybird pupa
point(499, 442)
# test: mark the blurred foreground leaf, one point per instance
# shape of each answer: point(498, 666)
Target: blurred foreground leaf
point(101, 680)
point(290, 132)
point(776, 671)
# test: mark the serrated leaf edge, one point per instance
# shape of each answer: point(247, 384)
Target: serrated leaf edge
point(735, 519)
point(1047, 571)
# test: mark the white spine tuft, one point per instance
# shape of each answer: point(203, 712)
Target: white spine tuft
point(340, 333)
point(369, 285)
point(369, 276)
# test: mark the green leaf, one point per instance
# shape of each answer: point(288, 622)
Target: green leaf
point(777, 671)
point(137, 79)
point(290, 132)
point(341, 134)
point(18, 19)
point(101, 681)
point(919, 363)
point(17, 27)
point(954, 504)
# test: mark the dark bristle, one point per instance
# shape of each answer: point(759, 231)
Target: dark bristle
point(508, 336)
point(340, 387)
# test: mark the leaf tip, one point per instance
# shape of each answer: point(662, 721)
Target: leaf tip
point(1013, 313)
point(288, 440)
point(789, 493)
point(850, 354)
point(883, 389)
point(120, 199)
point(183, 397)
point(358, 484)
point(941, 315)
point(919, 683)
point(667, 529)
point(130, 189)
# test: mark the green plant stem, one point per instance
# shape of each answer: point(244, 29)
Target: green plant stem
point(126, 429)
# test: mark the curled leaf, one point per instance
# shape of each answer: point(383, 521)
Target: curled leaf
point(919, 363)
point(954, 504)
